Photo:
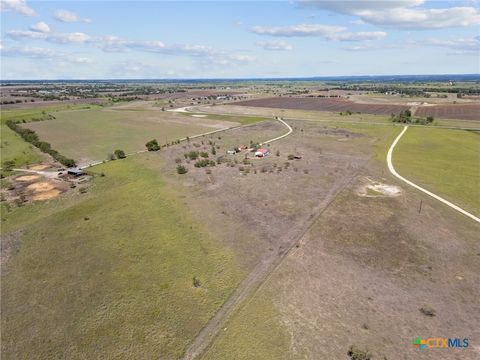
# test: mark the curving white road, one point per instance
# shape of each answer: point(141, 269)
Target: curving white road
point(394, 172)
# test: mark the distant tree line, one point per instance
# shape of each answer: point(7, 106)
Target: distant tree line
point(31, 136)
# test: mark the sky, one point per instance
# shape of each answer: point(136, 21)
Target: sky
point(237, 39)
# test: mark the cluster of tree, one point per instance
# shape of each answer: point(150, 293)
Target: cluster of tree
point(204, 163)
point(152, 145)
point(7, 102)
point(31, 136)
point(406, 117)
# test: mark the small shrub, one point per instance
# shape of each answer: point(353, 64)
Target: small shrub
point(428, 311)
point(204, 154)
point(181, 169)
point(277, 153)
point(208, 171)
point(120, 154)
point(357, 354)
point(202, 163)
point(193, 155)
point(196, 282)
point(291, 157)
point(214, 151)
point(178, 161)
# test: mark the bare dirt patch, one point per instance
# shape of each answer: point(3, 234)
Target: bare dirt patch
point(46, 195)
point(41, 186)
point(377, 189)
point(27, 178)
point(40, 167)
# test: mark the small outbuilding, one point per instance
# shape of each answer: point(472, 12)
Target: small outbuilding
point(75, 171)
point(262, 152)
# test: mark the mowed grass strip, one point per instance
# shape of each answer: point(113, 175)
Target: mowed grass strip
point(446, 162)
point(111, 275)
point(90, 135)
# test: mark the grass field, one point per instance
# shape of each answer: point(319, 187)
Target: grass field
point(243, 120)
point(108, 274)
point(254, 332)
point(97, 133)
point(445, 162)
point(13, 147)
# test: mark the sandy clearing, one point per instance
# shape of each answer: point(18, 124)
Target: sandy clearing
point(27, 178)
point(377, 189)
point(182, 109)
point(41, 186)
point(46, 195)
point(40, 167)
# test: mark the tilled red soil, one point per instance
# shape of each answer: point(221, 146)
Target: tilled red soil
point(453, 111)
point(324, 104)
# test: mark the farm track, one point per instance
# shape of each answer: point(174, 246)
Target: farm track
point(435, 196)
point(253, 283)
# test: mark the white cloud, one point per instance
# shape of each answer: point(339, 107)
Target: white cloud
point(66, 38)
point(40, 27)
point(61, 38)
point(278, 45)
point(18, 34)
point(69, 16)
point(65, 16)
point(358, 36)
point(110, 43)
point(403, 14)
point(44, 53)
point(355, 6)
point(298, 30)
point(81, 60)
point(460, 45)
point(329, 32)
point(26, 51)
point(19, 6)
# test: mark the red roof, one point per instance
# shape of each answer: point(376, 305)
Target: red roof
point(264, 151)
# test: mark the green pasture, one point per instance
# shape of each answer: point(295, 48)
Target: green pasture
point(108, 274)
point(446, 162)
point(90, 135)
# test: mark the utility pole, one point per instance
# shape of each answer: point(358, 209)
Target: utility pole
point(420, 207)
